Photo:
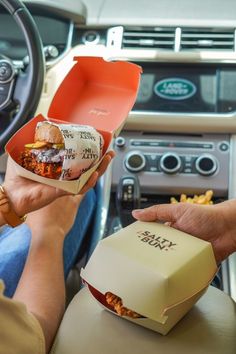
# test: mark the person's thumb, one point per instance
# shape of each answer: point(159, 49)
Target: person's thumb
point(161, 212)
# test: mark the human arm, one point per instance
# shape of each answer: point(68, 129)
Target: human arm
point(213, 223)
point(41, 287)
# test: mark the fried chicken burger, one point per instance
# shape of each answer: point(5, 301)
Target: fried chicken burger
point(62, 151)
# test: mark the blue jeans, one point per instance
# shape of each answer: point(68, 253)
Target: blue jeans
point(15, 243)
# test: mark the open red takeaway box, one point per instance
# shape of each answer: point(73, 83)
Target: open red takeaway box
point(95, 93)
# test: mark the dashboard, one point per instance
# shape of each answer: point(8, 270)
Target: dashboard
point(55, 21)
point(53, 31)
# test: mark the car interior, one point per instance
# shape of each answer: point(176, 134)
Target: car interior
point(179, 137)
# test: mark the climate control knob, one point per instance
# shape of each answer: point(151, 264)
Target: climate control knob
point(206, 165)
point(135, 161)
point(170, 163)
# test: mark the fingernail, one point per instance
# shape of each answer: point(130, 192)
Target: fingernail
point(167, 223)
point(137, 211)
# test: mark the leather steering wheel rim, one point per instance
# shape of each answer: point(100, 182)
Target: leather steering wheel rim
point(32, 82)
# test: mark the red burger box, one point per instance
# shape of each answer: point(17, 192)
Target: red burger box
point(95, 92)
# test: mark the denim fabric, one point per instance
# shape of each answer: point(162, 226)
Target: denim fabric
point(14, 247)
point(74, 239)
point(15, 243)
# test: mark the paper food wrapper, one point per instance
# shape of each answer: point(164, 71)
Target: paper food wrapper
point(83, 149)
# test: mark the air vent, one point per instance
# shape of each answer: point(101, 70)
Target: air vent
point(207, 39)
point(158, 38)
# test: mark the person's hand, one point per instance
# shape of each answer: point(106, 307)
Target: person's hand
point(26, 195)
point(214, 223)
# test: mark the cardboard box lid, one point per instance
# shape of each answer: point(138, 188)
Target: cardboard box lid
point(152, 267)
point(98, 93)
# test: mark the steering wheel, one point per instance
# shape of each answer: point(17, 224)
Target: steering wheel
point(18, 88)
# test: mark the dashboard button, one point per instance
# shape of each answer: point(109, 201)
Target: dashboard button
point(120, 142)
point(224, 146)
point(170, 163)
point(91, 37)
point(151, 163)
point(6, 71)
point(51, 52)
point(135, 162)
point(206, 165)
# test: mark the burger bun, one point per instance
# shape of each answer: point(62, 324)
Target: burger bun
point(49, 133)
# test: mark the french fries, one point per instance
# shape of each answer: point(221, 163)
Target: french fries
point(203, 199)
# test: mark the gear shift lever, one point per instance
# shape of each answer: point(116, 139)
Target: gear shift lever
point(127, 198)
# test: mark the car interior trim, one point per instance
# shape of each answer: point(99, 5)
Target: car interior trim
point(68, 47)
point(182, 122)
point(154, 55)
point(50, 63)
point(74, 10)
point(230, 263)
point(232, 275)
point(103, 205)
point(8, 95)
point(177, 39)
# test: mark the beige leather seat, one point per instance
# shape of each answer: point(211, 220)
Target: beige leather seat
point(209, 328)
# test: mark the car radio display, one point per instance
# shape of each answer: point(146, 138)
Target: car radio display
point(186, 88)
